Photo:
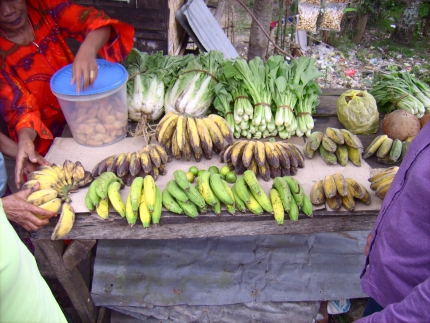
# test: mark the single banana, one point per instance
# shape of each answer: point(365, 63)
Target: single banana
point(281, 185)
point(166, 129)
point(296, 189)
point(293, 213)
point(156, 213)
point(328, 144)
point(102, 209)
point(155, 156)
point(278, 209)
point(203, 186)
point(384, 148)
point(65, 222)
point(42, 196)
point(181, 179)
point(53, 205)
point(124, 168)
point(242, 189)
point(181, 128)
point(236, 154)
point(193, 136)
point(354, 155)
point(136, 188)
point(248, 153)
point(342, 155)
point(144, 213)
point(145, 162)
point(389, 170)
point(162, 123)
point(315, 140)
point(328, 157)
point(335, 134)
point(307, 207)
point(189, 209)
point(103, 182)
point(150, 191)
point(68, 171)
point(223, 126)
point(237, 200)
point(170, 203)
point(355, 189)
point(341, 184)
point(374, 146)
point(264, 172)
point(130, 215)
point(253, 204)
point(218, 188)
point(330, 188)
point(348, 201)
point(351, 140)
point(317, 194)
point(116, 199)
point(43, 185)
point(215, 133)
point(334, 202)
point(92, 199)
point(195, 197)
point(307, 151)
point(252, 182)
point(176, 191)
point(271, 155)
point(135, 164)
point(78, 173)
point(205, 138)
point(161, 152)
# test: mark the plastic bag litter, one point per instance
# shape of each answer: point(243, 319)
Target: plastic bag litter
point(357, 112)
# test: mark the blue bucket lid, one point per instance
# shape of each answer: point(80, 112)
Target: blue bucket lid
point(110, 76)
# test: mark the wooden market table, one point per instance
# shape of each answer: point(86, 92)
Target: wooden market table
point(64, 260)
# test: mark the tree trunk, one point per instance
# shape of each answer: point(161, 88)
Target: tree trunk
point(404, 31)
point(427, 25)
point(258, 41)
point(361, 27)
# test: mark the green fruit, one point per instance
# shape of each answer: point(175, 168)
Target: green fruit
point(200, 172)
point(213, 170)
point(194, 170)
point(224, 170)
point(231, 177)
point(190, 177)
point(222, 176)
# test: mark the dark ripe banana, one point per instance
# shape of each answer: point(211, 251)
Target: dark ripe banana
point(275, 172)
point(176, 152)
point(88, 178)
point(181, 128)
point(342, 155)
point(123, 168)
point(284, 158)
point(145, 161)
point(100, 167)
point(205, 138)
point(292, 154)
point(162, 152)
point(236, 154)
point(128, 179)
point(239, 169)
point(154, 173)
point(299, 155)
point(287, 171)
point(226, 155)
point(155, 156)
point(366, 198)
point(334, 202)
point(328, 157)
point(341, 184)
point(225, 129)
point(309, 153)
point(355, 189)
point(167, 129)
point(329, 185)
point(216, 149)
point(328, 144)
point(293, 171)
point(335, 134)
point(113, 165)
point(78, 173)
point(68, 171)
point(135, 166)
point(119, 161)
point(168, 149)
point(208, 154)
point(248, 153)
point(162, 170)
point(317, 194)
point(193, 135)
point(187, 151)
point(264, 171)
point(260, 154)
point(215, 133)
point(198, 155)
point(348, 202)
point(253, 166)
point(315, 140)
point(271, 154)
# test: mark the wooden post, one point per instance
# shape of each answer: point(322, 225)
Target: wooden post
point(71, 280)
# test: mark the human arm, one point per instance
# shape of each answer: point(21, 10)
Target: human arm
point(18, 210)
point(413, 308)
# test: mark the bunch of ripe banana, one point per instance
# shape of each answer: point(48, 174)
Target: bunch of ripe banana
point(185, 136)
point(336, 146)
point(381, 182)
point(56, 181)
point(287, 195)
point(180, 196)
point(144, 201)
point(103, 189)
point(337, 191)
point(267, 159)
point(388, 151)
point(151, 160)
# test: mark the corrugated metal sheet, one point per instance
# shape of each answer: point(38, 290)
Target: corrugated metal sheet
point(203, 28)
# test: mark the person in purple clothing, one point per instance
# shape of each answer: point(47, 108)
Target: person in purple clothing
point(396, 274)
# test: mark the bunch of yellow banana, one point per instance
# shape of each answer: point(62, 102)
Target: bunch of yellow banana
point(337, 191)
point(144, 201)
point(381, 182)
point(336, 146)
point(186, 136)
point(287, 195)
point(387, 150)
point(102, 190)
point(267, 159)
point(150, 160)
point(65, 222)
point(62, 179)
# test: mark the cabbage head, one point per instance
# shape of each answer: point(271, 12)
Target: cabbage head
point(357, 112)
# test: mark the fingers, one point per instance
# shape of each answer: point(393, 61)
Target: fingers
point(19, 180)
point(34, 223)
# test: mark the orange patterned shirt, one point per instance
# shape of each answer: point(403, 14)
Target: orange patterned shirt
point(26, 99)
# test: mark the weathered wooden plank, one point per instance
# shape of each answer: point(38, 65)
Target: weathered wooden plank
point(327, 107)
point(139, 18)
point(104, 315)
point(88, 227)
point(332, 92)
point(71, 280)
point(76, 251)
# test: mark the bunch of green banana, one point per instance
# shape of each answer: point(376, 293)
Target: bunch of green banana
point(150, 160)
point(63, 179)
point(337, 191)
point(180, 196)
point(387, 150)
point(144, 201)
point(381, 182)
point(65, 222)
point(266, 159)
point(287, 195)
point(249, 195)
point(335, 146)
point(185, 136)
point(99, 194)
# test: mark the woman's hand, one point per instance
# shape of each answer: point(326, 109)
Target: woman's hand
point(85, 68)
point(18, 210)
point(27, 159)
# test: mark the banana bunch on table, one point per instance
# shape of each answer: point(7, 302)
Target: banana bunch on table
point(266, 159)
point(56, 181)
point(388, 151)
point(337, 191)
point(287, 195)
point(186, 136)
point(335, 146)
point(381, 182)
point(151, 160)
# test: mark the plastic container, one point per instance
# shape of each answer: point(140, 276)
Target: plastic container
point(98, 115)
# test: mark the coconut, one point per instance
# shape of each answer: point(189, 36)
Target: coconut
point(400, 124)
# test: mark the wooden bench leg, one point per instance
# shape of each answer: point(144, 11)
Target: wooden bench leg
point(71, 279)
